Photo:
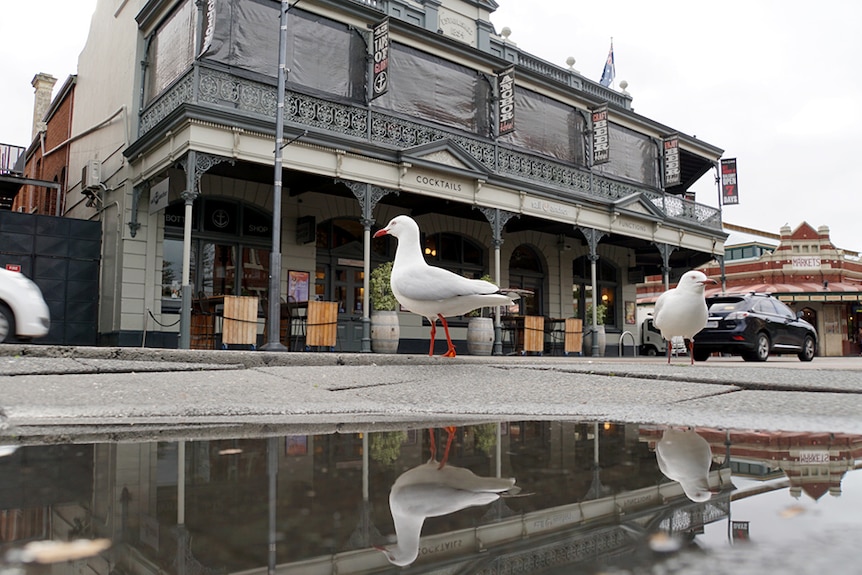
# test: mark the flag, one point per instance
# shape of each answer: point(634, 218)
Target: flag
point(609, 72)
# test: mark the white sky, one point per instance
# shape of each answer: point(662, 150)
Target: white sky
point(775, 83)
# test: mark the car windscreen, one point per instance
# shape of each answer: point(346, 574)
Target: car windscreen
point(724, 306)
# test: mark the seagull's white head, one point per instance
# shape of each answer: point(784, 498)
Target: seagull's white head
point(694, 280)
point(398, 226)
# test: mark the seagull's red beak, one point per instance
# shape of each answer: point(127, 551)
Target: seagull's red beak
point(706, 281)
point(379, 233)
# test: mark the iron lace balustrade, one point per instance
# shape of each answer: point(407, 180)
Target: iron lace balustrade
point(256, 101)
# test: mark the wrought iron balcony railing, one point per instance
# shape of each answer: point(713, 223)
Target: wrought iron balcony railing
point(225, 92)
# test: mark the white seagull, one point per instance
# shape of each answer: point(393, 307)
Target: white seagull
point(685, 457)
point(682, 310)
point(431, 490)
point(434, 292)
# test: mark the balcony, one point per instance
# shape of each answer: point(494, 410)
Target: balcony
point(254, 103)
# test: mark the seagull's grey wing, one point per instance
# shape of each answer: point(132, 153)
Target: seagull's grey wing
point(428, 283)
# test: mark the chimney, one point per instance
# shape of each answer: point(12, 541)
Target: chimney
point(44, 86)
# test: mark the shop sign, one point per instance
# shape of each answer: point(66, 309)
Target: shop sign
point(380, 40)
point(805, 262)
point(601, 136)
point(729, 189)
point(672, 173)
point(506, 108)
point(159, 196)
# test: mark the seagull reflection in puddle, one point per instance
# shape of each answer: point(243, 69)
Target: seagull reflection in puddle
point(685, 457)
point(433, 489)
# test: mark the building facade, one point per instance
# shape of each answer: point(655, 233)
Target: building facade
point(801, 267)
point(390, 107)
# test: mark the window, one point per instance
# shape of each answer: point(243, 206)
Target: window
point(230, 250)
point(607, 282)
point(526, 272)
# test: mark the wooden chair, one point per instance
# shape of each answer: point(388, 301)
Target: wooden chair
point(574, 335)
point(534, 334)
point(322, 326)
point(202, 326)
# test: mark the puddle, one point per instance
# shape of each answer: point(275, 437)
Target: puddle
point(512, 497)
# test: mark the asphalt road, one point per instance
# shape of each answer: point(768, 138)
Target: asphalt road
point(50, 393)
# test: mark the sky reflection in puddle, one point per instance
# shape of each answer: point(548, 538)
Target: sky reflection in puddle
point(510, 497)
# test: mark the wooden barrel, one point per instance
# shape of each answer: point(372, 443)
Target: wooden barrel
point(480, 336)
point(385, 332)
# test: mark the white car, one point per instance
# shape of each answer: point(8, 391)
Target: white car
point(23, 311)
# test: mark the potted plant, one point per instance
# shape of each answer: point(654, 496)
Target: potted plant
point(385, 331)
point(480, 330)
point(598, 329)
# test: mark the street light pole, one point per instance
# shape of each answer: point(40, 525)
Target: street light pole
point(273, 342)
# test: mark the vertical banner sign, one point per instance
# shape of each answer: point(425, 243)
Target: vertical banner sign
point(506, 109)
point(672, 174)
point(380, 79)
point(601, 140)
point(729, 190)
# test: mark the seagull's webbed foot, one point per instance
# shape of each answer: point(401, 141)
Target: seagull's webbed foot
point(451, 351)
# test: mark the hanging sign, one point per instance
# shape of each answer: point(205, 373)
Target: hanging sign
point(672, 174)
point(380, 43)
point(506, 108)
point(729, 190)
point(601, 138)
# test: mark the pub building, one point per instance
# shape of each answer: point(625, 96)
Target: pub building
point(390, 107)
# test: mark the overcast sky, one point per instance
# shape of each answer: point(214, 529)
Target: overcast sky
point(775, 83)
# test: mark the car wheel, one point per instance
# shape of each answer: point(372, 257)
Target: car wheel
point(761, 348)
point(7, 324)
point(651, 351)
point(808, 349)
point(700, 354)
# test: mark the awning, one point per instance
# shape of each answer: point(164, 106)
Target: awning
point(789, 292)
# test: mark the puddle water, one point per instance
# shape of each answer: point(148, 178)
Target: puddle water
point(505, 497)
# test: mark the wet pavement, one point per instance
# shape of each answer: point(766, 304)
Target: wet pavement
point(230, 461)
point(56, 390)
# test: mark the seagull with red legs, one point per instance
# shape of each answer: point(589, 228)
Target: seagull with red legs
point(431, 490)
point(432, 292)
point(682, 311)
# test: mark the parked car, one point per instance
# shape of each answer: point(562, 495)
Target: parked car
point(23, 311)
point(754, 325)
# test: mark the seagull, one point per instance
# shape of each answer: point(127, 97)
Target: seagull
point(430, 490)
point(434, 292)
point(682, 310)
point(684, 456)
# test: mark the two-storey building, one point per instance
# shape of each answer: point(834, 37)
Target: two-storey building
point(512, 166)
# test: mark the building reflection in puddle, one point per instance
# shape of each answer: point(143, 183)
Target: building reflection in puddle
point(592, 494)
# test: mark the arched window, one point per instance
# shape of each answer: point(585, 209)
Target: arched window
point(607, 283)
point(526, 272)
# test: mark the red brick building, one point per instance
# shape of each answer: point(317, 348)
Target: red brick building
point(801, 267)
point(47, 157)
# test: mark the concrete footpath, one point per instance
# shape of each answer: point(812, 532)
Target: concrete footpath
point(50, 393)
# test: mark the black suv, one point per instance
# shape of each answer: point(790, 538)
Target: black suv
point(753, 325)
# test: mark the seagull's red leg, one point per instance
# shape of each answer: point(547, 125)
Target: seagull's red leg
point(433, 444)
point(691, 350)
point(451, 351)
point(433, 333)
point(669, 347)
point(451, 430)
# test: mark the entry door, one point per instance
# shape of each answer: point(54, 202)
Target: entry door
point(348, 292)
